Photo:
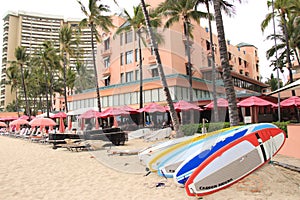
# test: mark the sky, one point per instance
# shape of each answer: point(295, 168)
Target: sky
point(243, 27)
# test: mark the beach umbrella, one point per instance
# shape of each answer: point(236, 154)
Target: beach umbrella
point(111, 112)
point(59, 115)
point(18, 122)
point(221, 102)
point(2, 124)
point(24, 117)
point(290, 102)
point(255, 101)
point(129, 109)
point(184, 105)
point(152, 107)
point(90, 114)
point(42, 122)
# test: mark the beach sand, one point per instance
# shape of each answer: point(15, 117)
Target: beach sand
point(36, 171)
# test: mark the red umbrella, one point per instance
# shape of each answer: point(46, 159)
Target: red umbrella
point(184, 105)
point(110, 112)
point(61, 125)
point(18, 122)
point(153, 107)
point(255, 101)
point(2, 124)
point(59, 115)
point(221, 102)
point(42, 122)
point(89, 114)
point(291, 101)
point(129, 109)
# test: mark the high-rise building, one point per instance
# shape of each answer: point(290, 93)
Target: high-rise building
point(30, 30)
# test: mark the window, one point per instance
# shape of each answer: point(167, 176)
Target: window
point(246, 73)
point(245, 63)
point(229, 56)
point(257, 68)
point(136, 55)
point(106, 80)
point(240, 61)
point(207, 45)
point(137, 74)
point(106, 44)
point(128, 37)
point(241, 71)
point(154, 72)
point(129, 76)
point(121, 39)
point(121, 59)
point(128, 57)
point(122, 78)
point(106, 61)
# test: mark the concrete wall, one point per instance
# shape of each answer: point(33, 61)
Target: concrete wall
point(291, 146)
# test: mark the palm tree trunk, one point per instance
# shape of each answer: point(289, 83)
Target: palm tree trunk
point(95, 68)
point(17, 103)
point(288, 53)
point(228, 83)
point(173, 113)
point(65, 85)
point(188, 53)
point(46, 92)
point(141, 77)
point(25, 92)
point(213, 69)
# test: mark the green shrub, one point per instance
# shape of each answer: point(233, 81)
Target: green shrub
point(191, 129)
point(282, 126)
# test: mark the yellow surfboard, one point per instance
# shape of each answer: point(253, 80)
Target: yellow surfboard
point(154, 162)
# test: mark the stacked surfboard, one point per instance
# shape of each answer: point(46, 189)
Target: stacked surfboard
point(210, 162)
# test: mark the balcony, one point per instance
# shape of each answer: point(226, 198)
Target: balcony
point(151, 59)
point(106, 52)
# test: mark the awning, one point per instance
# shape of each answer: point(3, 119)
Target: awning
point(105, 77)
point(293, 86)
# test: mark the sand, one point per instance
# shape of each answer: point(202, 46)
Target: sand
point(36, 171)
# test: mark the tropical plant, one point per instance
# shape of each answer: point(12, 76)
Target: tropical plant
point(283, 11)
point(173, 113)
point(13, 80)
point(22, 59)
point(85, 78)
point(95, 18)
point(225, 7)
point(182, 10)
point(67, 41)
point(273, 82)
point(226, 71)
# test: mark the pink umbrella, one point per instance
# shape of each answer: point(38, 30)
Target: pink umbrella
point(153, 107)
point(129, 109)
point(2, 124)
point(61, 125)
point(42, 122)
point(255, 101)
point(59, 115)
point(221, 102)
point(90, 114)
point(110, 112)
point(291, 101)
point(184, 105)
point(18, 122)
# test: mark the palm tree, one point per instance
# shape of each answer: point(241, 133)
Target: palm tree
point(227, 78)
point(175, 11)
point(48, 59)
point(22, 59)
point(224, 6)
point(137, 23)
point(173, 113)
point(94, 19)
point(84, 79)
point(13, 80)
point(66, 41)
point(282, 11)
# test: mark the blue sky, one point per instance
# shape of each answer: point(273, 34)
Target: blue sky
point(243, 27)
